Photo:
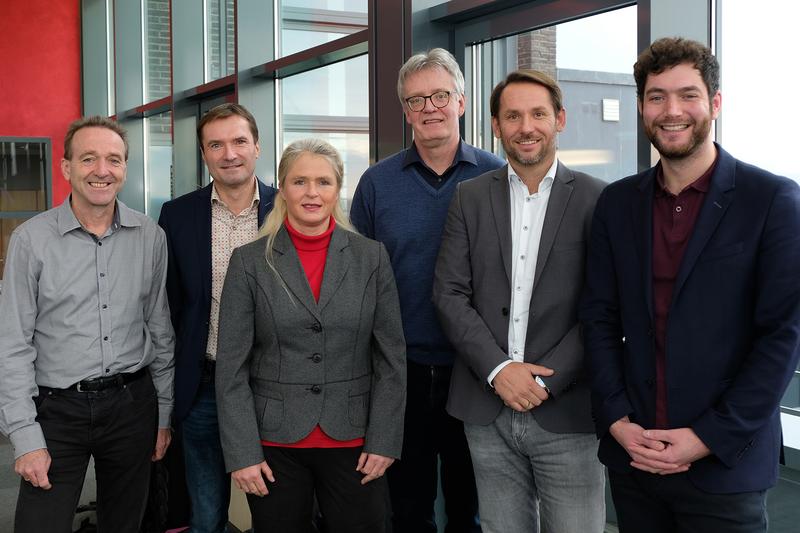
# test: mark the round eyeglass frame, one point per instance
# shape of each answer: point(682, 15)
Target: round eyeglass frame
point(422, 98)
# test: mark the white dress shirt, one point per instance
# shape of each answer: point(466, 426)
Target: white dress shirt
point(527, 220)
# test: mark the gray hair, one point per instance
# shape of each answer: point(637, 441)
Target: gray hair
point(436, 57)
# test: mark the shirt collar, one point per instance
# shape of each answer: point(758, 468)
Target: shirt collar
point(701, 184)
point(67, 221)
point(216, 199)
point(463, 154)
point(547, 181)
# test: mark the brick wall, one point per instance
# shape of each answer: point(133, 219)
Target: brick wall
point(537, 50)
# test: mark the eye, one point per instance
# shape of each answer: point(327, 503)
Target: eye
point(88, 160)
point(241, 141)
point(442, 97)
point(415, 101)
point(214, 146)
point(540, 114)
point(512, 116)
point(325, 181)
point(656, 98)
point(115, 161)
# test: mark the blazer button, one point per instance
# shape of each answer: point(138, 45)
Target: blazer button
point(316, 327)
point(316, 389)
point(505, 311)
point(650, 382)
point(316, 358)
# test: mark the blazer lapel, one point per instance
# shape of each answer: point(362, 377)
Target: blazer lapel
point(642, 223)
point(287, 263)
point(502, 216)
point(336, 265)
point(718, 198)
point(202, 214)
point(556, 207)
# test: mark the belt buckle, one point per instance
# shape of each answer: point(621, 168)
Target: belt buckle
point(78, 387)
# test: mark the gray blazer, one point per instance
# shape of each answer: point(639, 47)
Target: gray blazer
point(286, 363)
point(472, 294)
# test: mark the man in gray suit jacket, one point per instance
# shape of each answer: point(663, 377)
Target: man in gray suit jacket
point(507, 284)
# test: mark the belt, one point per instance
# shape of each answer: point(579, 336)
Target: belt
point(116, 381)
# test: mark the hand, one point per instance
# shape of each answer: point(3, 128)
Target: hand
point(163, 439)
point(682, 446)
point(250, 479)
point(644, 451)
point(373, 465)
point(33, 467)
point(517, 387)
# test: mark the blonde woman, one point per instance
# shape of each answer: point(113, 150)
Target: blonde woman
point(311, 358)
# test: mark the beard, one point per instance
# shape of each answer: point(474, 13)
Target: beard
point(529, 161)
point(677, 152)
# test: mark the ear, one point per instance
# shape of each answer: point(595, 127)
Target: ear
point(716, 105)
point(65, 169)
point(407, 113)
point(561, 120)
point(496, 127)
point(462, 104)
point(258, 149)
point(639, 105)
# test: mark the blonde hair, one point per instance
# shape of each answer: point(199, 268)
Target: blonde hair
point(272, 224)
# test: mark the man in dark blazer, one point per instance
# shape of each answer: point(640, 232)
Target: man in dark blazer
point(691, 313)
point(202, 228)
point(507, 284)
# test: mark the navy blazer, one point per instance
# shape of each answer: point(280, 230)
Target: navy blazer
point(186, 220)
point(733, 329)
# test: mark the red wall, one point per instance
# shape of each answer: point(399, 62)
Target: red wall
point(40, 74)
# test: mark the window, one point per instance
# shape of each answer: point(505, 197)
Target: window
point(308, 23)
point(331, 103)
point(158, 174)
point(597, 84)
point(24, 183)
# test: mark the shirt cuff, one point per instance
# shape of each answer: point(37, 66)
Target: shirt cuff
point(164, 416)
point(27, 439)
point(497, 370)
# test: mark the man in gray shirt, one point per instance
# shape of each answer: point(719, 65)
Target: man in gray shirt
point(86, 343)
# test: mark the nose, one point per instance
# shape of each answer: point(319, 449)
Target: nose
point(101, 167)
point(228, 152)
point(311, 189)
point(673, 106)
point(526, 123)
point(429, 107)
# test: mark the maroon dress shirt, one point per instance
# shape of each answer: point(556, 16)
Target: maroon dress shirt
point(674, 217)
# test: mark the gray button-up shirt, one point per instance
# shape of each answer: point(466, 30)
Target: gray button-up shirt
point(75, 306)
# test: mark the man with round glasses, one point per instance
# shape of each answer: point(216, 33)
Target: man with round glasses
point(402, 201)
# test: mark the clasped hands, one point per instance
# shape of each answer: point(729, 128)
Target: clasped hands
point(659, 451)
point(516, 385)
point(250, 479)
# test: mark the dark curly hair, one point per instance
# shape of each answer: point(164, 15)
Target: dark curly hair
point(669, 52)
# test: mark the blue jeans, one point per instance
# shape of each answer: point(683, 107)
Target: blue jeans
point(208, 484)
point(531, 480)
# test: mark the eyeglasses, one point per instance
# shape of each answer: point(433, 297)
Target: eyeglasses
point(439, 99)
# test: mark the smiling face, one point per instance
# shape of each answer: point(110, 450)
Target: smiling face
point(310, 191)
point(677, 111)
point(527, 124)
point(96, 169)
point(433, 126)
point(230, 151)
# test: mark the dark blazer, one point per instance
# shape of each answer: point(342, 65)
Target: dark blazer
point(733, 329)
point(286, 363)
point(472, 293)
point(186, 220)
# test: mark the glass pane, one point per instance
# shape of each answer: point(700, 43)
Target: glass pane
point(7, 226)
point(597, 83)
point(157, 54)
point(308, 23)
point(771, 26)
point(23, 175)
point(791, 398)
point(331, 103)
point(220, 39)
point(159, 162)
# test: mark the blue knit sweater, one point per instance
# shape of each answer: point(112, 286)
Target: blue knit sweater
point(394, 204)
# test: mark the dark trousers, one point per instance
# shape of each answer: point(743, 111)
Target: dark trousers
point(347, 505)
point(672, 504)
point(115, 426)
point(431, 435)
